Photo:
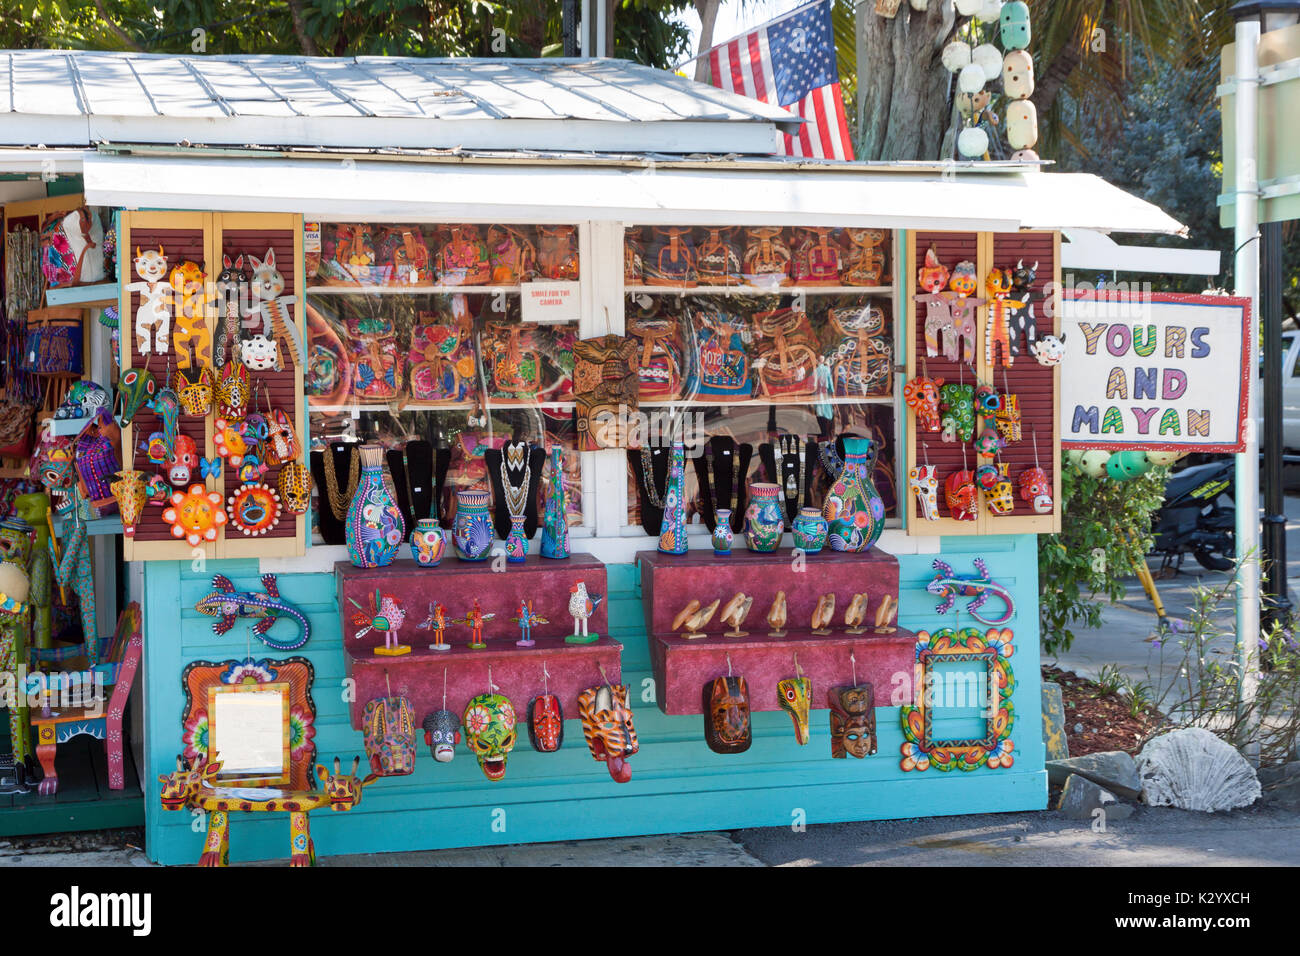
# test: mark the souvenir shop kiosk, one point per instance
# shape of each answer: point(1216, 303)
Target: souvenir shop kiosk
point(603, 475)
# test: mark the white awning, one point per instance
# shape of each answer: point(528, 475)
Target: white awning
point(706, 193)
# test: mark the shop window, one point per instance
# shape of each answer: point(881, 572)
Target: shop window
point(768, 344)
point(417, 333)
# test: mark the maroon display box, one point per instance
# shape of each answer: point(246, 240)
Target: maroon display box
point(519, 672)
point(682, 666)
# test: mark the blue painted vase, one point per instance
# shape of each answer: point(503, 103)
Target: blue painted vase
point(810, 530)
point(853, 508)
point(517, 541)
point(472, 534)
point(428, 543)
point(374, 528)
point(722, 533)
point(555, 521)
point(672, 533)
point(764, 518)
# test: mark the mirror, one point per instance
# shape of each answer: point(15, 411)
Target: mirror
point(248, 731)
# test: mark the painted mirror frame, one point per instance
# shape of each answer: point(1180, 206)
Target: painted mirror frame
point(920, 749)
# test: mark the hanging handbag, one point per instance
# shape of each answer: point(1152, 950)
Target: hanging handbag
point(857, 344)
point(557, 252)
point(670, 260)
point(72, 248)
point(441, 367)
point(16, 428)
point(54, 339)
point(817, 260)
point(787, 354)
point(511, 256)
point(661, 358)
point(718, 262)
point(372, 348)
point(767, 258)
point(722, 366)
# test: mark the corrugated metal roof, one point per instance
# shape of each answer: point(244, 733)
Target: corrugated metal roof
point(72, 98)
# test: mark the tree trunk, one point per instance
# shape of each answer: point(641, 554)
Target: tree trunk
point(903, 89)
point(708, 11)
point(306, 42)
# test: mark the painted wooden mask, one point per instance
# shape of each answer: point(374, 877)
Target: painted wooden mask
point(853, 721)
point(194, 388)
point(726, 715)
point(389, 727)
point(282, 443)
point(607, 727)
point(794, 694)
point(959, 491)
point(135, 387)
point(442, 734)
point(1002, 499)
point(546, 723)
point(1036, 489)
point(490, 732)
point(232, 391)
point(294, 485)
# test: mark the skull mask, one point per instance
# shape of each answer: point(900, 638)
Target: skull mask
point(794, 694)
point(442, 734)
point(607, 726)
point(389, 725)
point(853, 721)
point(546, 723)
point(726, 715)
point(1036, 489)
point(490, 732)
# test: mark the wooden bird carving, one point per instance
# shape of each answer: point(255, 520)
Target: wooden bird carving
point(822, 614)
point(735, 612)
point(856, 613)
point(885, 615)
point(694, 618)
point(776, 616)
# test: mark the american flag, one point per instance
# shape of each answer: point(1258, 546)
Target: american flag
point(791, 62)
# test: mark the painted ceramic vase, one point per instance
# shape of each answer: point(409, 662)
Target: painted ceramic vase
point(427, 543)
point(853, 508)
point(764, 518)
point(672, 533)
point(810, 530)
point(555, 524)
point(473, 532)
point(374, 528)
point(722, 534)
point(517, 541)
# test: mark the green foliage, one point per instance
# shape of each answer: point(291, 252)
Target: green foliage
point(1105, 528)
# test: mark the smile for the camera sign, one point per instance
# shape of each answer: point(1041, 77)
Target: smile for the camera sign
point(1155, 371)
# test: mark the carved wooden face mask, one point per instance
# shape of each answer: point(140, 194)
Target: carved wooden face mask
point(442, 734)
point(726, 715)
point(546, 723)
point(606, 381)
point(389, 724)
point(794, 694)
point(607, 727)
point(853, 721)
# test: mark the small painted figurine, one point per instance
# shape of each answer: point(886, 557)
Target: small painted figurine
point(442, 734)
point(581, 607)
point(526, 618)
point(436, 622)
point(475, 618)
point(853, 721)
point(726, 715)
point(546, 723)
point(980, 587)
point(386, 616)
point(794, 694)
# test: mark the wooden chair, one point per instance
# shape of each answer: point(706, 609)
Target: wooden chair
point(102, 721)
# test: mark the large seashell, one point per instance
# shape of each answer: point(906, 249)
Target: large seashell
point(1192, 769)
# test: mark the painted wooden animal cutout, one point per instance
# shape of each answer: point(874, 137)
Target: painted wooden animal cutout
point(949, 586)
point(932, 278)
point(273, 307)
point(1020, 308)
point(153, 316)
point(726, 715)
point(192, 337)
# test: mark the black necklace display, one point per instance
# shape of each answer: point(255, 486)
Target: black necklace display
point(516, 473)
point(787, 463)
point(650, 465)
point(721, 472)
point(330, 523)
point(413, 469)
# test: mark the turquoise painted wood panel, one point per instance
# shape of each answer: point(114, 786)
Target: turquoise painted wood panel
point(677, 785)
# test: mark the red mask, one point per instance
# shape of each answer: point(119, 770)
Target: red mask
point(959, 491)
point(546, 723)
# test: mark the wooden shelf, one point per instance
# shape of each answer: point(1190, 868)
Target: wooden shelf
point(713, 401)
point(102, 294)
point(420, 407)
point(749, 290)
point(412, 289)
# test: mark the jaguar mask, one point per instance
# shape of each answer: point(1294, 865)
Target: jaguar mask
point(607, 726)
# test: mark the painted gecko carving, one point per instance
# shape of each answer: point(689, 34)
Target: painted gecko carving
point(226, 604)
point(949, 586)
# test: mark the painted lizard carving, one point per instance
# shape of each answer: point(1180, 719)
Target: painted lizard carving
point(947, 585)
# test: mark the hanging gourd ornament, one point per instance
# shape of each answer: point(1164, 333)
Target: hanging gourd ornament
point(968, 8)
point(988, 442)
point(1163, 459)
point(955, 56)
point(990, 11)
point(970, 79)
point(195, 515)
point(254, 509)
point(1022, 124)
point(1125, 465)
point(989, 59)
point(1013, 25)
point(972, 142)
point(1018, 75)
point(1093, 462)
point(295, 486)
